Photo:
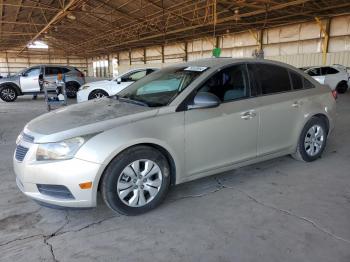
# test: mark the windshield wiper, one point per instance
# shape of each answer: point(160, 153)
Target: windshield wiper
point(132, 101)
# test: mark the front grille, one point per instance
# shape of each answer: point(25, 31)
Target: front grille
point(27, 138)
point(21, 152)
point(56, 191)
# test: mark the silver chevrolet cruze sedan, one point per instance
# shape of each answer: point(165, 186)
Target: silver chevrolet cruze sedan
point(178, 124)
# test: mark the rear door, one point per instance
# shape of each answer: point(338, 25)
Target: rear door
point(50, 76)
point(29, 80)
point(279, 107)
point(218, 137)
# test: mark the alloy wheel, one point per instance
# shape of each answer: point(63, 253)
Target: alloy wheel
point(8, 94)
point(98, 95)
point(139, 183)
point(314, 140)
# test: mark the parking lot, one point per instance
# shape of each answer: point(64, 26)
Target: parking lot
point(277, 210)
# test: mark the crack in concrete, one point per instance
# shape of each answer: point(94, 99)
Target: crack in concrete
point(20, 239)
point(220, 186)
point(286, 212)
point(88, 225)
point(51, 248)
point(59, 232)
point(196, 195)
point(48, 237)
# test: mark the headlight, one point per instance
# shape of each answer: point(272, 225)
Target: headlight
point(84, 87)
point(61, 150)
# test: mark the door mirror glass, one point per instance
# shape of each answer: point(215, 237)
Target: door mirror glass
point(119, 80)
point(205, 100)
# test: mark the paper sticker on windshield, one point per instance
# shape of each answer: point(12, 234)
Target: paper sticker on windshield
point(196, 68)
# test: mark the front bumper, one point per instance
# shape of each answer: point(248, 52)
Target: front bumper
point(67, 173)
point(82, 95)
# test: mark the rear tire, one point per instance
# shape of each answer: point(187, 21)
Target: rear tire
point(312, 141)
point(342, 87)
point(136, 181)
point(8, 94)
point(98, 93)
point(72, 89)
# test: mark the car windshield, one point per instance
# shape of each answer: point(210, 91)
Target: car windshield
point(160, 87)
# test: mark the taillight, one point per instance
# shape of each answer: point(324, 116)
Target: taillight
point(80, 74)
point(335, 94)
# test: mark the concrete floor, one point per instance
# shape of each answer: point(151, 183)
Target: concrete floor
point(279, 210)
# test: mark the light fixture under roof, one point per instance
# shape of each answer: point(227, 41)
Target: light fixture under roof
point(38, 45)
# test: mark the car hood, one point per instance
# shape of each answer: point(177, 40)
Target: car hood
point(9, 78)
point(85, 118)
point(101, 83)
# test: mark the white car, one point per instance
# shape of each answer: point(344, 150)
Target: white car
point(335, 76)
point(111, 87)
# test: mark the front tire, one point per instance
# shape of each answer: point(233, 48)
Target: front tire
point(97, 94)
point(136, 181)
point(72, 89)
point(8, 94)
point(312, 141)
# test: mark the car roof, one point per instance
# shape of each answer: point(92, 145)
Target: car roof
point(223, 61)
point(141, 68)
point(52, 65)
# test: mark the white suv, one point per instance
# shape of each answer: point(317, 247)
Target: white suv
point(111, 87)
point(335, 76)
point(26, 82)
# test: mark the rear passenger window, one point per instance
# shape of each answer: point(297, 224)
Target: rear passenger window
point(307, 84)
point(55, 70)
point(64, 70)
point(329, 71)
point(297, 80)
point(270, 79)
point(314, 72)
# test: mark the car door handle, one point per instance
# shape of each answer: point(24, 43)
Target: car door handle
point(297, 104)
point(248, 115)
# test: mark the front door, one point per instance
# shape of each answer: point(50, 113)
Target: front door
point(29, 80)
point(218, 137)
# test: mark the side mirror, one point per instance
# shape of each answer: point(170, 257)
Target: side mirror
point(204, 100)
point(24, 74)
point(119, 80)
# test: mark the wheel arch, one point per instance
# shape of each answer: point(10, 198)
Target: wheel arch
point(98, 89)
point(158, 147)
point(73, 82)
point(11, 84)
point(324, 118)
point(339, 84)
point(342, 81)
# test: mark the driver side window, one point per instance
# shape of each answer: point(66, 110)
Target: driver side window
point(35, 71)
point(228, 84)
point(136, 75)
